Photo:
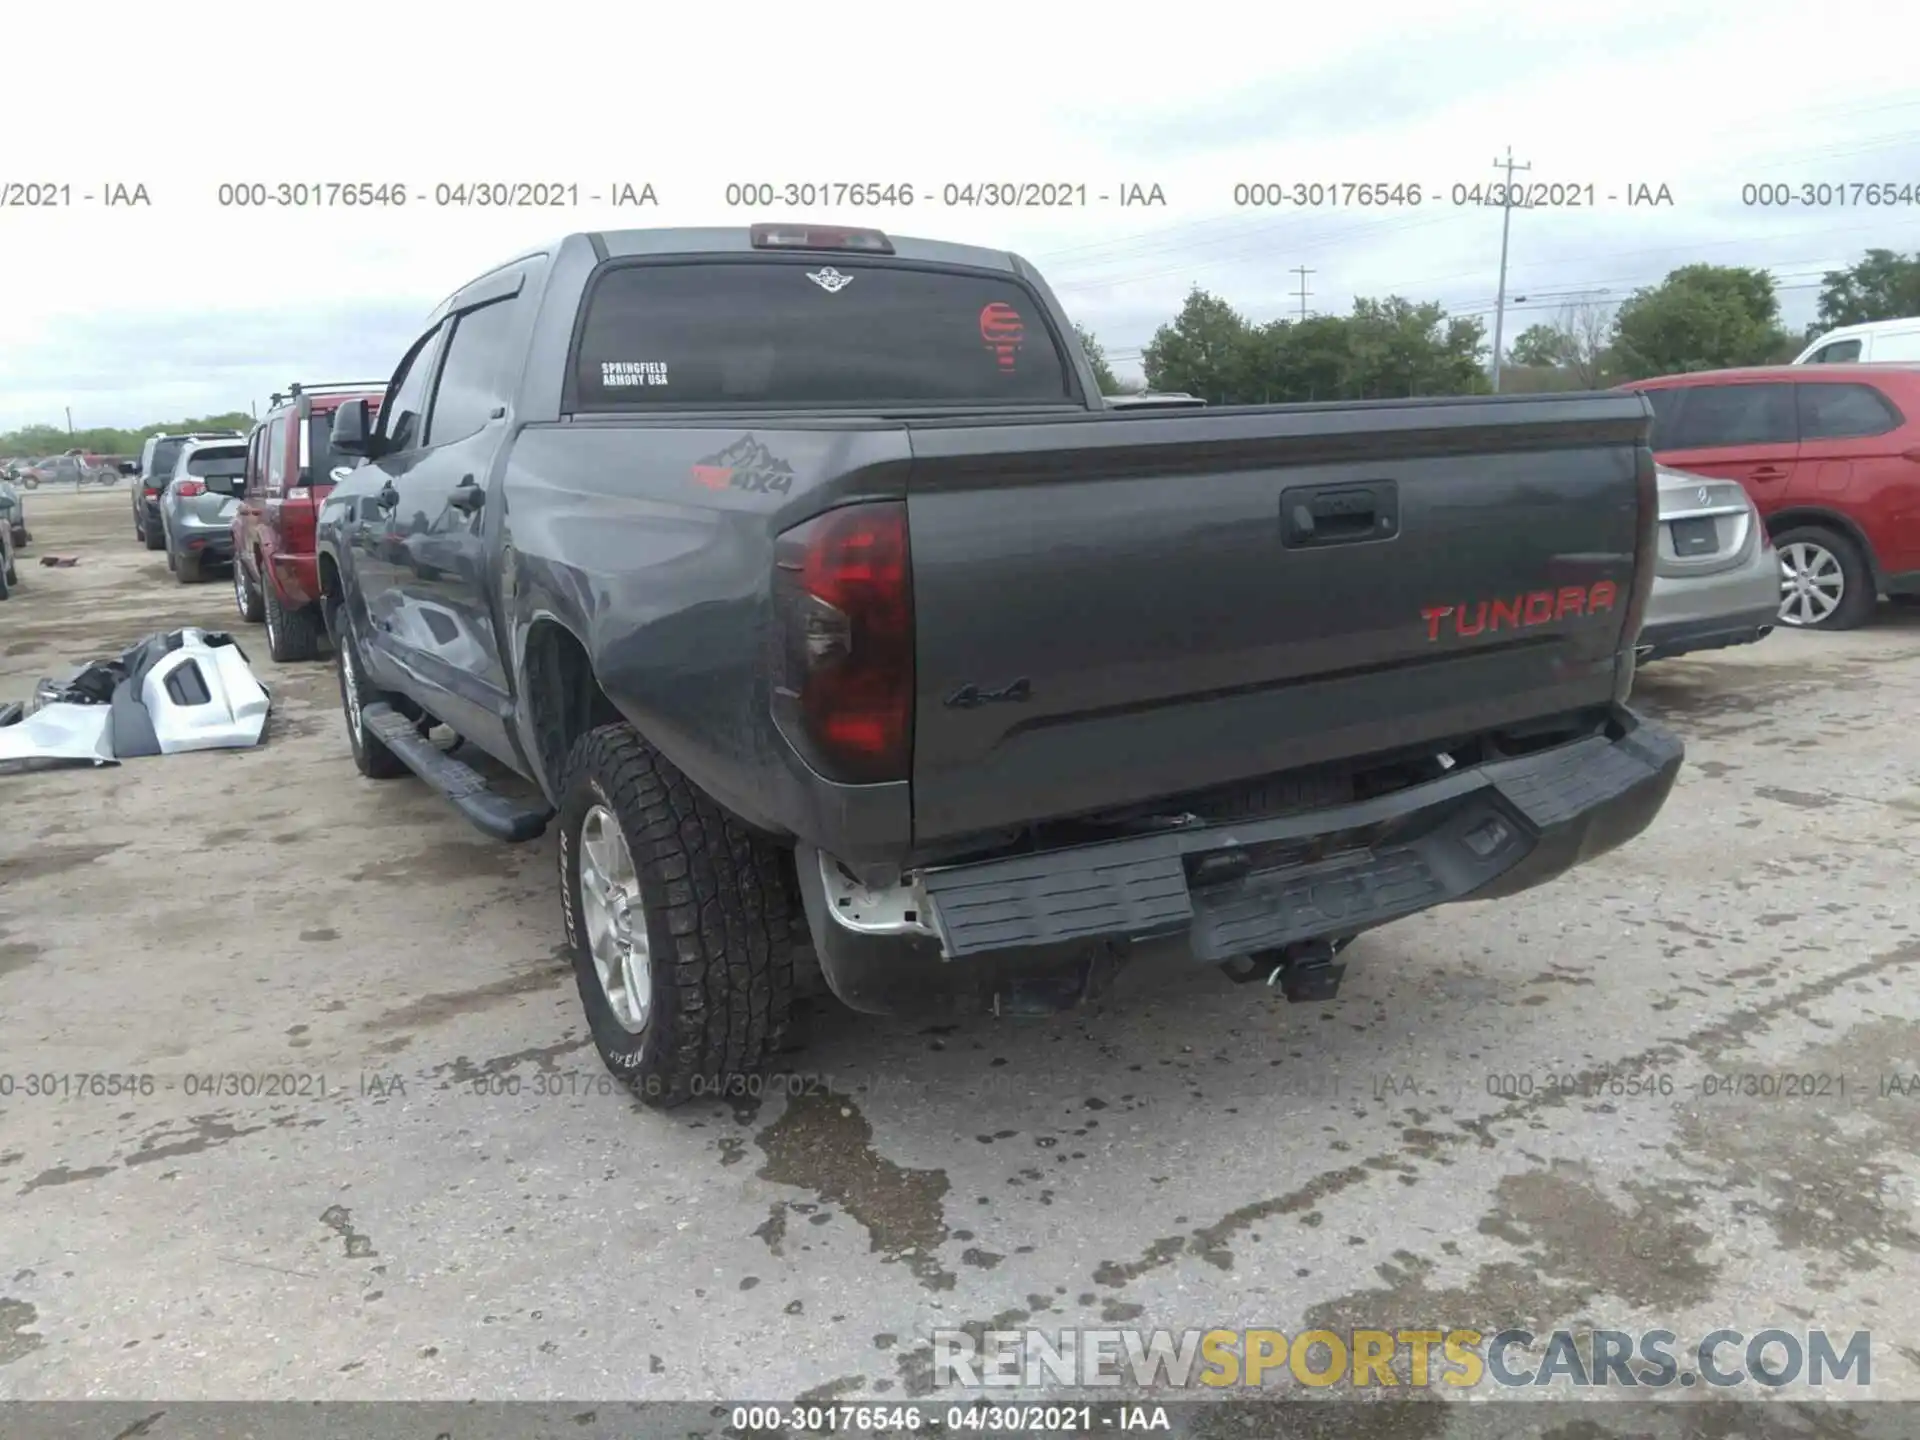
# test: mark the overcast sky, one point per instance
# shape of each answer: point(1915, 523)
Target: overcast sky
point(134, 316)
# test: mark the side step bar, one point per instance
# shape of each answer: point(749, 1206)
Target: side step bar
point(467, 790)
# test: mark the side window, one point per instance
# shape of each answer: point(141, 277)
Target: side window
point(1735, 415)
point(1840, 352)
point(474, 377)
point(405, 405)
point(1843, 412)
point(256, 455)
point(1666, 407)
point(277, 455)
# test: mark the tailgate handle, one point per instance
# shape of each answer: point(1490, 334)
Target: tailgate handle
point(1315, 515)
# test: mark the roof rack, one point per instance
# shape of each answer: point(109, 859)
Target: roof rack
point(335, 387)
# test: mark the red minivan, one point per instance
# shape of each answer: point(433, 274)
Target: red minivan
point(1830, 455)
point(291, 468)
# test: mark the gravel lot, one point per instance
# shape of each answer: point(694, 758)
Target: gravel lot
point(468, 1209)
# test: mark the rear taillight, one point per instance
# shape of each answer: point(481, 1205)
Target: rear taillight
point(152, 493)
point(187, 489)
point(843, 687)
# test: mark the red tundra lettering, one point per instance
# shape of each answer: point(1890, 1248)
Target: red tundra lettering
point(1538, 607)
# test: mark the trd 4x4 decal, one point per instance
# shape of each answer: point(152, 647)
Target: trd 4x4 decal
point(745, 465)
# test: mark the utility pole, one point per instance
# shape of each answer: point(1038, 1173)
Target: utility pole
point(1506, 222)
point(1302, 271)
point(69, 422)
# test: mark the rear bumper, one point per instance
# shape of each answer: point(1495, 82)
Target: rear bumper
point(1234, 889)
point(205, 541)
point(1683, 637)
point(1708, 612)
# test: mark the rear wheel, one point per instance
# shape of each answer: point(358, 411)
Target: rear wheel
point(1825, 581)
point(291, 634)
point(246, 595)
point(681, 924)
point(7, 581)
point(370, 754)
point(155, 536)
point(185, 565)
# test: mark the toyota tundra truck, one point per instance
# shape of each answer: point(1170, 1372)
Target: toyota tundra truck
point(800, 578)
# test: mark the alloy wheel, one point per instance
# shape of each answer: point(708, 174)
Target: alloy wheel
point(1812, 583)
point(616, 924)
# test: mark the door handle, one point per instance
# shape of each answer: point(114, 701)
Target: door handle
point(1316, 515)
point(1767, 472)
point(467, 497)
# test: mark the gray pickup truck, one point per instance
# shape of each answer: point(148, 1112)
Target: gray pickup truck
point(847, 635)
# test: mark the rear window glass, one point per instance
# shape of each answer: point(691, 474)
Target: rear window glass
point(228, 460)
point(825, 332)
point(165, 453)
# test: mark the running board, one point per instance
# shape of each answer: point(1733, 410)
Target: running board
point(465, 788)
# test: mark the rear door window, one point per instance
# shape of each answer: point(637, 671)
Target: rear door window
point(1843, 412)
point(277, 454)
point(827, 333)
point(1720, 415)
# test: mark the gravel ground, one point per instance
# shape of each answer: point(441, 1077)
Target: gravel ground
point(376, 1158)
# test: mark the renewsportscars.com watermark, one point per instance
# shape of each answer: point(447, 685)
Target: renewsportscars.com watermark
point(1417, 1359)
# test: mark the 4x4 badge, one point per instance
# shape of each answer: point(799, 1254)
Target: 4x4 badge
point(745, 465)
point(830, 280)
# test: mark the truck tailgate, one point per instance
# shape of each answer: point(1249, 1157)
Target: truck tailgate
point(1117, 609)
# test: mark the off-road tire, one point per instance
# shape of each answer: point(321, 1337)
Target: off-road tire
point(370, 754)
point(291, 634)
point(156, 537)
point(1858, 596)
point(246, 594)
point(722, 919)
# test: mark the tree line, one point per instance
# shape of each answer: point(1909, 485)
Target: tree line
point(36, 442)
point(1700, 317)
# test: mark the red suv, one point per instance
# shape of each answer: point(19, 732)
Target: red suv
point(291, 468)
point(1830, 455)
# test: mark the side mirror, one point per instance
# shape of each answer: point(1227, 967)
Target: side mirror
point(351, 433)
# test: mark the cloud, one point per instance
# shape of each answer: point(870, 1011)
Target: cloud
point(192, 306)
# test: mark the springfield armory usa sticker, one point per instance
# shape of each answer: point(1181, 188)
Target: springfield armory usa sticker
point(618, 374)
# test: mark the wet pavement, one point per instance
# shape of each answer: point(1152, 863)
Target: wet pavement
point(296, 1098)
